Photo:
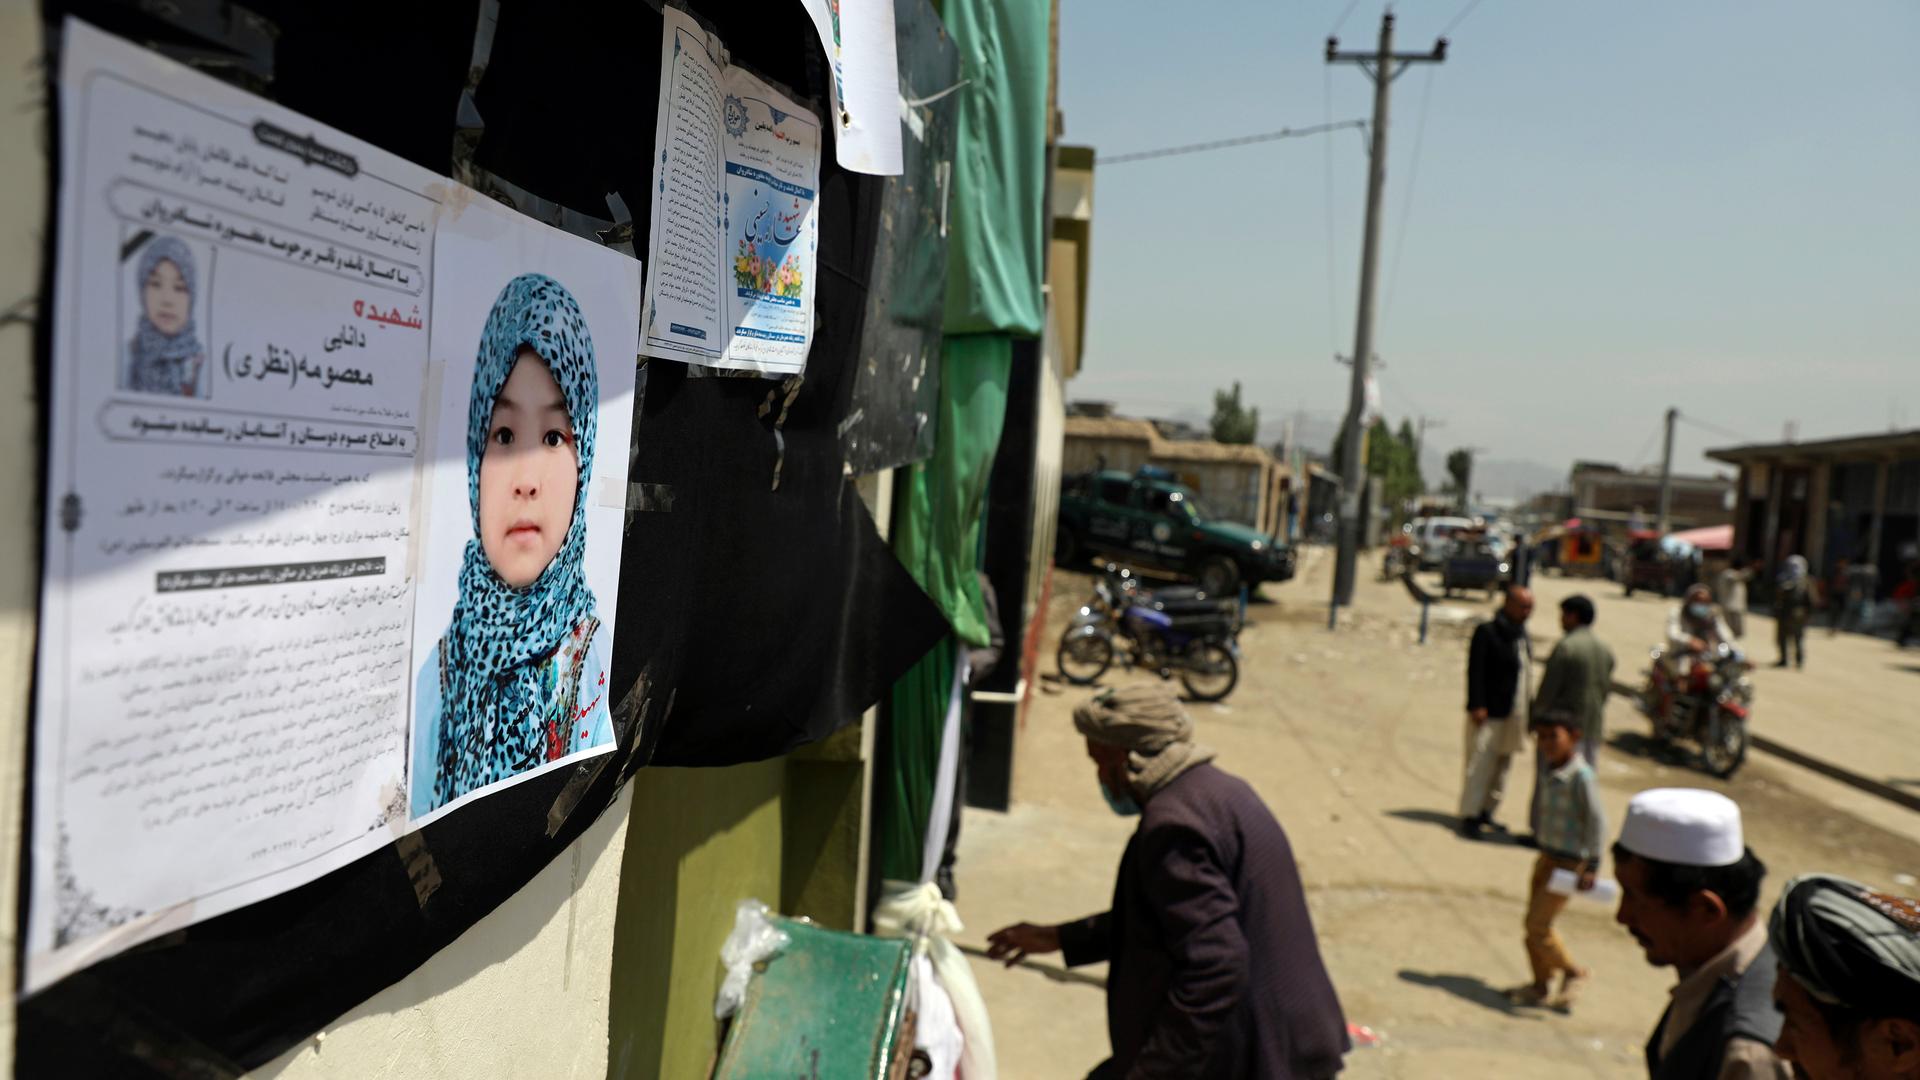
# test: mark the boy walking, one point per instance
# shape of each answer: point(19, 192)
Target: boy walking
point(1572, 832)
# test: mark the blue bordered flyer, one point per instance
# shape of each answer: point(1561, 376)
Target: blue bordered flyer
point(735, 226)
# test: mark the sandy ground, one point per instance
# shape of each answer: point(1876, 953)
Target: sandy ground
point(1354, 739)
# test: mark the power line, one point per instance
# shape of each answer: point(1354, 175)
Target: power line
point(1333, 302)
point(1460, 18)
point(1715, 429)
point(1406, 209)
point(1341, 23)
point(1223, 144)
point(1640, 458)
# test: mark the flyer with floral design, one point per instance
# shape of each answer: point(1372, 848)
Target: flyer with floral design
point(735, 225)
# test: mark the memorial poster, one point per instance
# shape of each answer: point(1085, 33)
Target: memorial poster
point(303, 475)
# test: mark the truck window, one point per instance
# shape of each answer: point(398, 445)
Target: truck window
point(1115, 491)
point(1167, 502)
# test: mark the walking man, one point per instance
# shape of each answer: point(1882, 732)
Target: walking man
point(1215, 971)
point(1792, 608)
point(1579, 675)
point(1688, 886)
point(1733, 595)
point(1499, 670)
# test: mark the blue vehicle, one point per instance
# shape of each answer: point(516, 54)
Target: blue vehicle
point(1176, 628)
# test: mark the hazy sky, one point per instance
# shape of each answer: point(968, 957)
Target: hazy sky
point(1713, 205)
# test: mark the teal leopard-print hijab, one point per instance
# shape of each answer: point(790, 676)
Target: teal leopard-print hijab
point(492, 708)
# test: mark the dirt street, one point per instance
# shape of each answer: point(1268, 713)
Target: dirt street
point(1354, 740)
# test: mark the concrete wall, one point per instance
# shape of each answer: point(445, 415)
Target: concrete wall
point(1081, 453)
point(22, 217)
point(525, 992)
point(706, 839)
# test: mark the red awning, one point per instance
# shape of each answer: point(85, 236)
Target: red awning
point(1711, 538)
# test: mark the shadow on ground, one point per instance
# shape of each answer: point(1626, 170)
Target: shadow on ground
point(1051, 971)
point(1646, 746)
point(1451, 823)
point(1465, 987)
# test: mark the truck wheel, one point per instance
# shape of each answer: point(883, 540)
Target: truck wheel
point(1217, 576)
point(1066, 547)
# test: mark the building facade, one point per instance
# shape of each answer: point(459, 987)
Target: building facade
point(1855, 498)
point(1618, 500)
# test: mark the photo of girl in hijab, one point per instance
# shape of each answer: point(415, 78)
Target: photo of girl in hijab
point(165, 355)
point(519, 677)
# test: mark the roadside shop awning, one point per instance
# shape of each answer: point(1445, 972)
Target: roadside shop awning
point(1710, 538)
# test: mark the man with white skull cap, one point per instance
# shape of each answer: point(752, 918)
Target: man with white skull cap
point(1688, 889)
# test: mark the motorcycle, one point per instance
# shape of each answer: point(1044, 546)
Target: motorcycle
point(1401, 559)
point(1708, 705)
point(1171, 629)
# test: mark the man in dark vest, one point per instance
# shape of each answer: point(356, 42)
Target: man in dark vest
point(1215, 972)
point(1688, 886)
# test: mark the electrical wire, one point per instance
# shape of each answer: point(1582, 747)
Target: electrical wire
point(1333, 301)
point(1714, 429)
point(1640, 458)
point(1406, 208)
point(1344, 16)
point(1104, 161)
point(1460, 18)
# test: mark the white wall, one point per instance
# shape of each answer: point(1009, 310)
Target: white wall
point(524, 992)
point(22, 217)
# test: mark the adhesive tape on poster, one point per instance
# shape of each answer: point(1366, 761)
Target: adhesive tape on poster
point(610, 493)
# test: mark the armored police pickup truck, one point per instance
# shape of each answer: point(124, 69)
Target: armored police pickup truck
point(1151, 521)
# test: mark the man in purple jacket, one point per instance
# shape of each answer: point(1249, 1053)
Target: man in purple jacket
point(1214, 968)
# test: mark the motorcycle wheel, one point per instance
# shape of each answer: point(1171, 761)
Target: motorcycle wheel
point(1084, 657)
point(1209, 672)
point(1724, 746)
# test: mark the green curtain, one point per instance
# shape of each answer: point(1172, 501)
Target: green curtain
point(918, 716)
point(996, 236)
point(938, 511)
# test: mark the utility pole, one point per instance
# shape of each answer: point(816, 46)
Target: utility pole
point(1382, 66)
point(1420, 436)
point(1466, 482)
point(1661, 522)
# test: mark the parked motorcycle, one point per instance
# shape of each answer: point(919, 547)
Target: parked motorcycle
point(1707, 705)
point(1178, 628)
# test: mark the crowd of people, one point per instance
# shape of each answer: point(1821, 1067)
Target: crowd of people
point(1847, 596)
point(1215, 970)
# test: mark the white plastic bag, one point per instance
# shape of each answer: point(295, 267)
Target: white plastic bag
point(754, 938)
point(921, 914)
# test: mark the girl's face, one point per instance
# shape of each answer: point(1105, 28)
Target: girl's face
point(529, 473)
point(166, 298)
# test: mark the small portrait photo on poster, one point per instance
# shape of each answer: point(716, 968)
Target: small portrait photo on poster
point(163, 300)
point(518, 678)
